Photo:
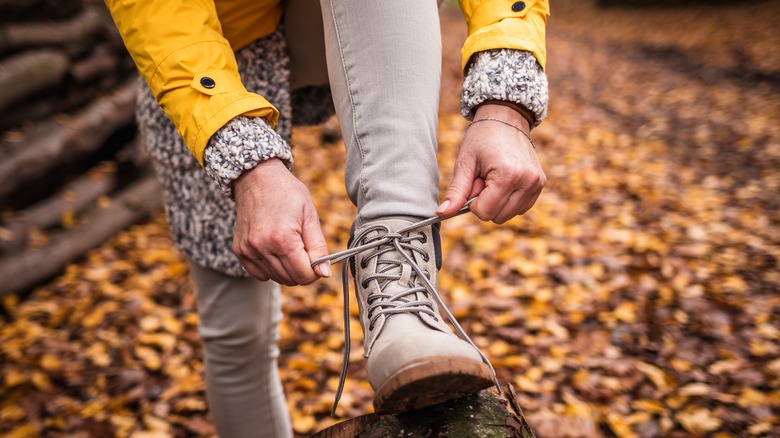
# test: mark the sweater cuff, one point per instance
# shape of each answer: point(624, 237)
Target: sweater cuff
point(240, 145)
point(509, 75)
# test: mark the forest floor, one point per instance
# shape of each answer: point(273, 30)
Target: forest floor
point(638, 298)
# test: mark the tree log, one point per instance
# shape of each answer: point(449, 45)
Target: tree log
point(75, 198)
point(22, 271)
point(59, 142)
point(101, 62)
point(485, 414)
point(79, 29)
point(27, 73)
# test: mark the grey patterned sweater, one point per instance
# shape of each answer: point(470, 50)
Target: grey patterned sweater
point(508, 75)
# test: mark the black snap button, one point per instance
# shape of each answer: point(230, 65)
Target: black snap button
point(518, 6)
point(207, 82)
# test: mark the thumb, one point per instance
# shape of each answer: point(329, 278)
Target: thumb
point(315, 245)
point(460, 187)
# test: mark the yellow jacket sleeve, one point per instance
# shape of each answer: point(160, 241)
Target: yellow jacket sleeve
point(179, 49)
point(505, 24)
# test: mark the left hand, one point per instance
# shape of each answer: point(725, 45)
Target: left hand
point(498, 165)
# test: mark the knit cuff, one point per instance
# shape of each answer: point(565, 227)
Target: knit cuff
point(509, 75)
point(240, 145)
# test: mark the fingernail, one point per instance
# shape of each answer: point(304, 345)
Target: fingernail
point(443, 207)
point(324, 268)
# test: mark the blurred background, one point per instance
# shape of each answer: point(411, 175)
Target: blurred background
point(639, 298)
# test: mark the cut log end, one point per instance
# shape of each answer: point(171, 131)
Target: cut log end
point(485, 414)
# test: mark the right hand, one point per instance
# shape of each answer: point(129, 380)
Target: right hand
point(277, 231)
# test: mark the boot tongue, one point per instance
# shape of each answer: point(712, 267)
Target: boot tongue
point(404, 270)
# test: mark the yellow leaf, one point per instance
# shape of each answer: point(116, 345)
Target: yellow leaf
point(651, 406)
point(626, 312)
point(98, 354)
point(760, 428)
point(620, 426)
point(156, 424)
point(149, 323)
point(694, 389)
point(26, 431)
point(655, 374)
point(123, 423)
point(698, 421)
point(749, 397)
point(190, 404)
point(149, 357)
point(68, 218)
point(12, 412)
point(163, 340)
point(14, 377)
point(50, 362)
point(41, 381)
point(680, 365)
point(304, 424)
point(171, 325)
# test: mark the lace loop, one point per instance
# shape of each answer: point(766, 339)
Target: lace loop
point(387, 304)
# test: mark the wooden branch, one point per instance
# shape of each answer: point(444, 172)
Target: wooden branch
point(76, 197)
point(478, 415)
point(76, 30)
point(60, 142)
point(102, 61)
point(27, 73)
point(22, 271)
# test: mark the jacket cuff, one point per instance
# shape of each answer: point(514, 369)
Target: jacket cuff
point(509, 75)
point(240, 145)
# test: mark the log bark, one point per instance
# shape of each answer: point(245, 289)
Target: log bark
point(76, 197)
point(60, 142)
point(486, 414)
point(22, 271)
point(28, 73)
point(101, 62)
point(77, 30)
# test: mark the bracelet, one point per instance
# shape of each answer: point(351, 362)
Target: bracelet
point(493, 119)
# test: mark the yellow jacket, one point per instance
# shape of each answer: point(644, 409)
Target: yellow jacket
point(184, 50)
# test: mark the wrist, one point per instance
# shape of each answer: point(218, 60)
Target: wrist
point(506, 111)
point(257, 174)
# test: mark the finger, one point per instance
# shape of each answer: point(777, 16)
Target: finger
point(511, 208)
point(315, 245)
point(254, 271)
point(463, 177)
point(476, 189)
point(530, 201)
point(490, 202)
point(278, 269)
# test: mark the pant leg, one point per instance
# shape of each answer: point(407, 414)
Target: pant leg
point(384, 65)
point(239, 320)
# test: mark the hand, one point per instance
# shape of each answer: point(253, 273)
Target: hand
point(497, 164)
point(277, 231)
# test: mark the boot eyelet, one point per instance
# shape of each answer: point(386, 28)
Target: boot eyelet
point(364, 284)
point(364, 263)
point(424, 238)
point(425, 257)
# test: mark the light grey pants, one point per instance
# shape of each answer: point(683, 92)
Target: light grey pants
point(384, 65)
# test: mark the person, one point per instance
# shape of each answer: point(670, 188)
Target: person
point(223, 81)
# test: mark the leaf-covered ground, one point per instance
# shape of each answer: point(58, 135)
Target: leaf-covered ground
point(638, 298)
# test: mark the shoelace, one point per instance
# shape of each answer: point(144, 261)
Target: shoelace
point(395, 239)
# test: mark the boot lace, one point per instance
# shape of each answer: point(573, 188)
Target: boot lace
point(388, 270)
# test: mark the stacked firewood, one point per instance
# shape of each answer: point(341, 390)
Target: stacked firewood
point(72, 172)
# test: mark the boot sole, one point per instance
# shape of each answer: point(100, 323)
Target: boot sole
point(431, 381)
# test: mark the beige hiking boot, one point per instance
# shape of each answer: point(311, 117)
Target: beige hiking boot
point(414, 358)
